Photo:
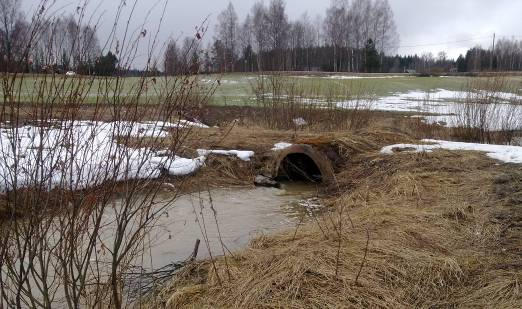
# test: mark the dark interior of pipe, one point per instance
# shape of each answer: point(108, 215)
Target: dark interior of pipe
point(299, 167)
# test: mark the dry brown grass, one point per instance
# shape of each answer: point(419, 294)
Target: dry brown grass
point(436, 240)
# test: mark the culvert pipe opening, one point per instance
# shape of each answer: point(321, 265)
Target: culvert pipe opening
point(299, 167)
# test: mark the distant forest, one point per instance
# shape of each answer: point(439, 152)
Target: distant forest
point(351, 36)
point(354, 36)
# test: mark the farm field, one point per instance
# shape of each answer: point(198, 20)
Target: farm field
point(238, 88)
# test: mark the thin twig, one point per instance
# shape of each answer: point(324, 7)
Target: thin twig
point(365, 255)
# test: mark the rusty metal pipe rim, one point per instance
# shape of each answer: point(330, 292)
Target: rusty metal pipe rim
point(319, 158)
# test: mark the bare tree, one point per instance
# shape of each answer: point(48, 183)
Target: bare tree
point(357, 37)
point(259, 29)
point(89, 46)
point(12, 29)
point(246, 43)
point(508, 54)
point(386, 36)
point(296, 43)
point(277, 29)
point(442, 56)
point(310, 39)
point(172, 58)
point(335, 26)
point(227, 32)
point(281, 44)
point(191, 54)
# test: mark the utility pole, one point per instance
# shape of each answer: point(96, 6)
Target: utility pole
point(492, 53)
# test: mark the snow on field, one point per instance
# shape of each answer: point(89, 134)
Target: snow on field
point(220, 81)
point(507, 154)
point(81, 154)
point(500, 117)
point(440, 101)
point(341, 77)
point(413, 101)
point(363, 77)
point(446, 108)
point(244, 155)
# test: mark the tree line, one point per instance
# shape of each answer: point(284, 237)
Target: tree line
point(353, 36)
point(63, 43)
point(506, 55)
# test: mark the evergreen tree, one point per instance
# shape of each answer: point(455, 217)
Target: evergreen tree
point(106, 65)
point(248, 58)
point(461, 64)
point(218, 56)
point(207, 62)
point(372, 62)
point(194, 62)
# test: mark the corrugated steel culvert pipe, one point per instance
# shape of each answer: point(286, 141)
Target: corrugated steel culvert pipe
point(302, 163)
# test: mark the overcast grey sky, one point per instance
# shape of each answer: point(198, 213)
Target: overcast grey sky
point(449, 25)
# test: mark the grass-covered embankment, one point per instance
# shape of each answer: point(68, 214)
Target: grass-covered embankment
point(409, 230)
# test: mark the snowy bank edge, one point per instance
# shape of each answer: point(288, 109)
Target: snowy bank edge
point(504, 153)
point(244, 155)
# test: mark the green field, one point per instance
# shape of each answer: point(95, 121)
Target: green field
point(237, 88)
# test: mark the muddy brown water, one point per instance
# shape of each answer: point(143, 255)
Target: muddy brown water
point(241, 214)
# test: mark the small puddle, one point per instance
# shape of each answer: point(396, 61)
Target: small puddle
point(241, 215)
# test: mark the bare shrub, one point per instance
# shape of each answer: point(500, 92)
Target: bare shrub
point(284, 103)
point(485, 111)
point(488, 112)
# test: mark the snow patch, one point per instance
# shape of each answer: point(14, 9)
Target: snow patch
point(244, 155)
point(440, 101)
point(300, 122)
point(156, 128)
point(507, 154)
point(447, 108)
point(182, 166)
point(281, 146)
point(341, 77)
point(80, 154)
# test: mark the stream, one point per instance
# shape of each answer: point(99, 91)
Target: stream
point(241, 215)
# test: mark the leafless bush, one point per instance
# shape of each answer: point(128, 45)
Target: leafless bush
point(284, 103)
point(419, 127)
point(79, 201)
point(485, 111)
point(488, 112)
point(359, 105)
